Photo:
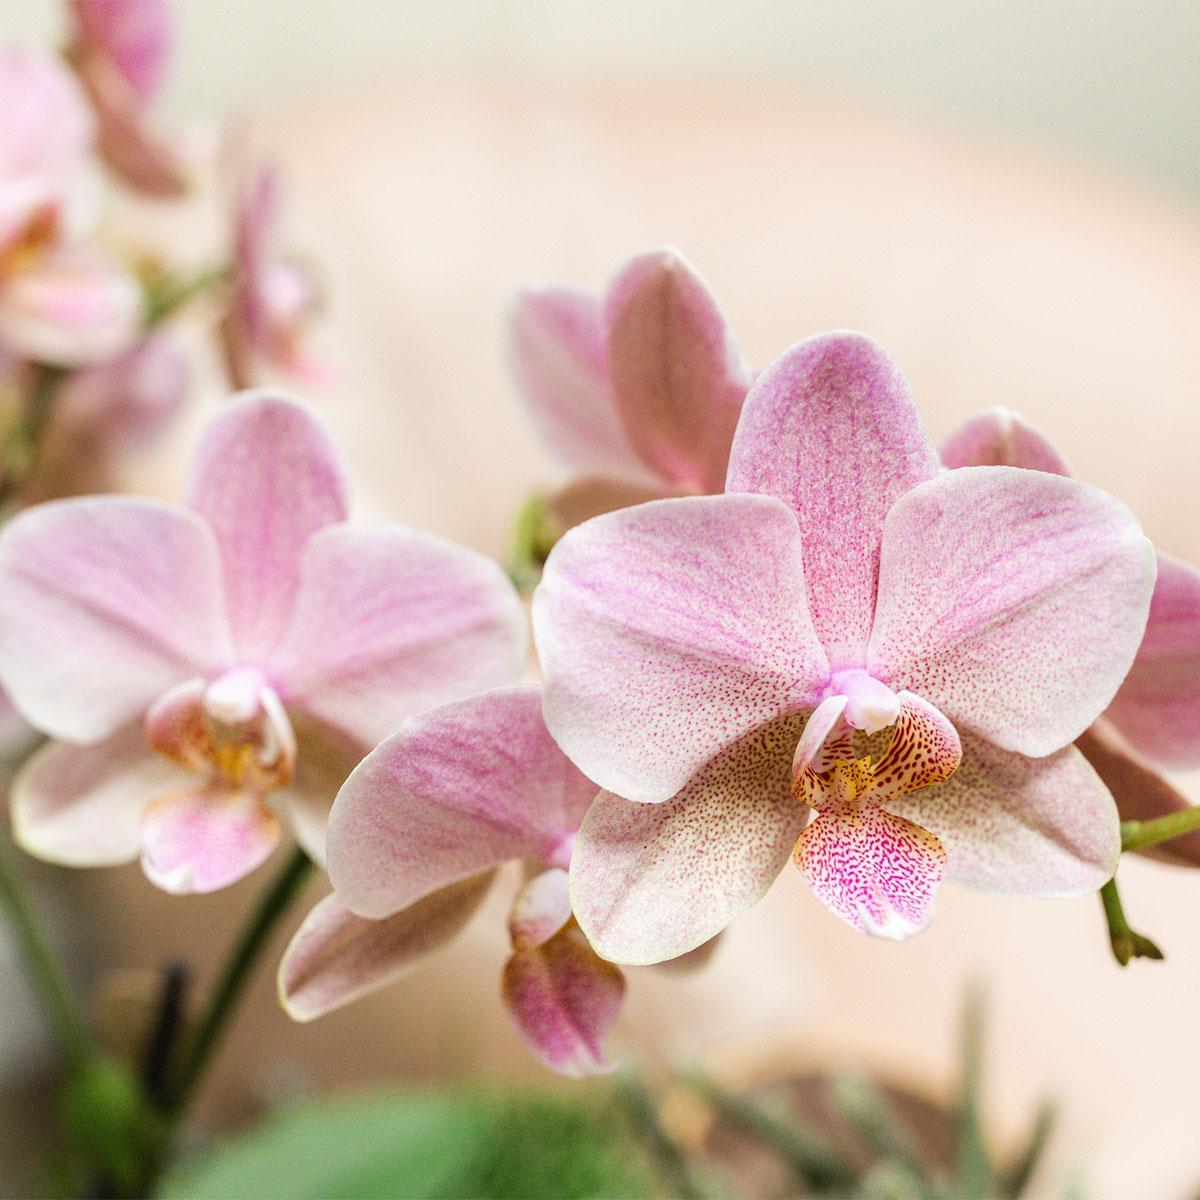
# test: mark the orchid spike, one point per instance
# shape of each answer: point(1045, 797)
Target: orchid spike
point(840, 580)
point(456, 793)
point(212, 671)
point(636, 395)
point(1153, 720)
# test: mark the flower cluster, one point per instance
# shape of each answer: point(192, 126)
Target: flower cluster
point(786, 631)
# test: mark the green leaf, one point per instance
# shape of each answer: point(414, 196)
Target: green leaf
point(424, 1145)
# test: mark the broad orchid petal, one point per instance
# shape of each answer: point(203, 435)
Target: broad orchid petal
point(558, 357)
point(678, 379)
point(669, 630)
point(875, 870)
point(459, 789)
point(336, 957)
point(1000, 437)
point(82, 806)
point(1140, 791)
point(105, 603)
point(1157, 707)
point(266, 477)
point(206, 838)
point(541, 909)
point(1013, 600)
point(1026, 826)
point(831, 429)
point(389, 622)
point(564, 998)
point(652, 881)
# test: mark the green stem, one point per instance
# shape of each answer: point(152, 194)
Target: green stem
point(274, 902)
point(167, 299)
point(674, 1167)
point(974, 1180)
point(44, 970)
point(1126, 942)
point(1137, 834)
point(24, 443)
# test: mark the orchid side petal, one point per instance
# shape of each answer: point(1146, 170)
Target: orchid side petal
point(541, 908)
point(667, 631)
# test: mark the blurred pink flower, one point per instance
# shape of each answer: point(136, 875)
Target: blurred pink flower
point(843, 581)
point(120, 50)
point(273, 299)
point(1154, 719)
point(636, 395)
point(254, 638)
point(414, 837)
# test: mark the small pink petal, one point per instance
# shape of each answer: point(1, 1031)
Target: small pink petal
point(336, 957)
point(266, 477)
point(924, 750)
point(389, 621)
point(820, 746)
point(667, 631)
point(542, 907)
point(459, 789)
point(1000, 437)
point(1014, 600)
point(106, 602)
point(876, 871)
point(1157, 707)
point(650, 882)
point(82, 806)
point(832, 430)
point(678, 378)
point(205, 839)
point(135, 35)
point(564, 999)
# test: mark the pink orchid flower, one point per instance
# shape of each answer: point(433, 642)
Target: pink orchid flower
point(120, 50)
point(211, 670)
point(636, 395)
point(273, 300)
point(415, 836)
point(1154, 719)
point(717, 664)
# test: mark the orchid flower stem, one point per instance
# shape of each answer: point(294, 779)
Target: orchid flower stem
point(1137, 834)
point(165, 301)
point(639, 1108)
point(238, 969)
point(1126, 942)
point(44, 970)
point(24, 443)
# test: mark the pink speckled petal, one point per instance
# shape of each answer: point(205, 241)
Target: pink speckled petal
point(564, 998)
point(205, 839)
point(459, 789)
point(924, 749)
point(558, 357)
point(82, 806)
point(105, 602)
point(336, 957)
point(1157, 707)
point(1000, 437)
point(389, 622)
point(1013, 600)
point(652, 881)
point(542, 907)
point(831, 429)
point(667, 631)
point(266, 477)
point(678, 378)
point(876, 871)
point(1024, 826)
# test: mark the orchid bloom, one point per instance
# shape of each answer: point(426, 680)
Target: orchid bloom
point(211, 670)
point(61, 302)
point(1154, 719)
point(848, 630)
point(274, 299)
point(120, 50)
point(414, 837)
point(636, 395)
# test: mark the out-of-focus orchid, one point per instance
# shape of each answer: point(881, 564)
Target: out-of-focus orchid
point(1154, 719)
point(845, 582)
point(211, 669)
point(635, 395)
point(273, 298)
point(120, 50)
point(414, 836)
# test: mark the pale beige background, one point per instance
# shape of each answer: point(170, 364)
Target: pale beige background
point(995, 262)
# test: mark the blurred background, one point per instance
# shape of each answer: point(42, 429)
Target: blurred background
point(1006, 194)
